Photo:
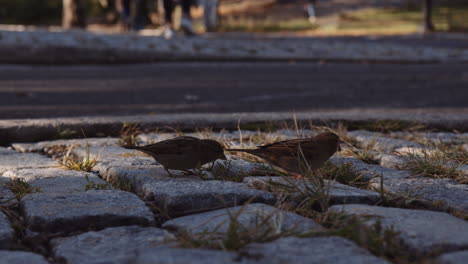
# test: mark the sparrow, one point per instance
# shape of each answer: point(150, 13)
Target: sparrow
point(298, 155)
point(183, 153)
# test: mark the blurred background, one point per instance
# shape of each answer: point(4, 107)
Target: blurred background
point(319, 17)
point(109, 57)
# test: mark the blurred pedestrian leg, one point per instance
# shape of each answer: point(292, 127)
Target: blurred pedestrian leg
point(310, 8)
point(186, 21)
point(138, 15)
point(210, 14)
point(123, 8)
point(132, 13)
point(73, 14)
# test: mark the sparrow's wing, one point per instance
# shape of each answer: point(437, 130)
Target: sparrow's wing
point(178, 145)
point(311, 148)
point(284, 144)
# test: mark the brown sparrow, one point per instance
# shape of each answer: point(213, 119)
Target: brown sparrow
point(183, 153)
point(298, 155)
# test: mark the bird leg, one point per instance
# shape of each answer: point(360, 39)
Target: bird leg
point(210, 168)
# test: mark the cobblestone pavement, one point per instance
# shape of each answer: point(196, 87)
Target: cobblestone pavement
point(389, 197)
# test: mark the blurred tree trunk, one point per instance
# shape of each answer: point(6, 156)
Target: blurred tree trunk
point(428, 26)
point(73, 14)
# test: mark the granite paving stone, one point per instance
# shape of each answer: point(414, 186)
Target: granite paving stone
point(7, 197)
point(406, 152)
point(56, 180)
point(391, 161)
point(399, 162)
point(78, 211)
point(367, 139)
point(315, 250)
point(188, 256)
point(113, 153)
point(141, 173)
point(402, 182)
point(45, 145)
point(339, 193)
point(459, 257)
point(234, 167)
point(216, 224)
point(21, 257)
point(184, 193)
point(108, 157)
point(437, 137)
point(415, 151)
point(189, 196)
point(369, 171)
point(6, 231)
point(112, 245)
point(440, 191)
point(6, 151)
point(17, 160)
point(422, 232)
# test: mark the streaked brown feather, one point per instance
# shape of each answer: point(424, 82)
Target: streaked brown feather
point(289, 153)
point(183, 153)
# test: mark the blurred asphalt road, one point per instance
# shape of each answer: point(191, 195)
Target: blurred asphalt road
point(52, 91)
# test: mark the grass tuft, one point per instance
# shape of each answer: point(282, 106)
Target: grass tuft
point(344, 174)
point(129, 134)
point(450, 151)
point(96, 186)
point(434, 165)
point(365, 155)
point(71, 163)
point(123, 184)
point(20, 188)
